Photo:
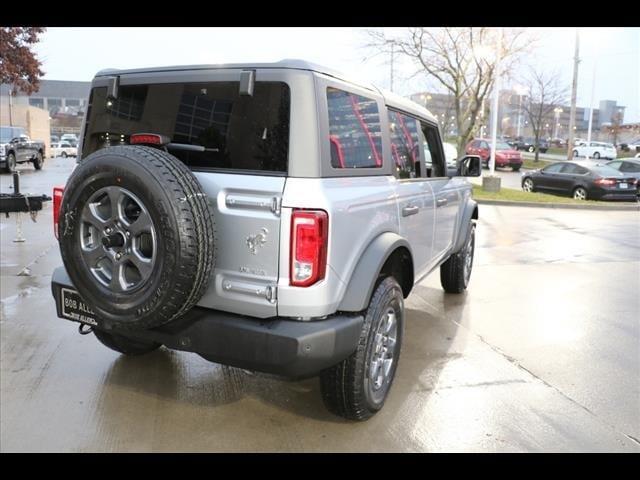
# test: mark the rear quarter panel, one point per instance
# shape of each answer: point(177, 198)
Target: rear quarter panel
point(360, 209)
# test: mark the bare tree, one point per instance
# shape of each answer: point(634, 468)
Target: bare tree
point(462, 61)
point(545, 91)
point(616, 124)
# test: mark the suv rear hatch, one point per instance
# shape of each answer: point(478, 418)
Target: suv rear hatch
point(237, 147)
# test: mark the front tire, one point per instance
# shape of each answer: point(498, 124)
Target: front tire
point(596, 155)
point(527, 185)
point(455, 273)
point(575, 153)
point(38, 161)
point(124, 345)
point(64, 155)
point(531, 149)
point(357, 387)
point(516, 168)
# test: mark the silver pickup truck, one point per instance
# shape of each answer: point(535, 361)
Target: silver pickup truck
point(16, 147)
point(271, 217)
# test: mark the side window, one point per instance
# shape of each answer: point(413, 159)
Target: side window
point(555, 168)
point(616, 165)
point(434, 158)
point(630, 167)
point(484, 145)
point(569, 168)
point(404, 144)
point(355, 136)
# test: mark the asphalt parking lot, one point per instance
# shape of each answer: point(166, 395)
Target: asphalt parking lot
point(541, 354)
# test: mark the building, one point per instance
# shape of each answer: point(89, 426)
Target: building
point(512, 120)
point(65, 101)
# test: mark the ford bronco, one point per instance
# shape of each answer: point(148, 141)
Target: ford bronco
point(271, 217)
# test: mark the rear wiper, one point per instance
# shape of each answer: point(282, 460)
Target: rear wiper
point(189, 147)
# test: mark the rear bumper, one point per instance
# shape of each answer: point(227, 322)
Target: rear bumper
point(276, 345)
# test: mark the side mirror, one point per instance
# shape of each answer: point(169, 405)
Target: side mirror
point(469, 166)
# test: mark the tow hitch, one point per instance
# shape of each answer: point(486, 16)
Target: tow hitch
point(17, 202)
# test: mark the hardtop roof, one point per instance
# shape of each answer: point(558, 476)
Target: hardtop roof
point(391, 99)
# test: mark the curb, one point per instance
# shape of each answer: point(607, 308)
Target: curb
point(506, 203)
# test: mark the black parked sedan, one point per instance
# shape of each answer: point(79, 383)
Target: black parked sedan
point(629, 167)
point(529, 144)
point(581, 180)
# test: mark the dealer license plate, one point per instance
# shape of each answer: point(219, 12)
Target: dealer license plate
point(74, 308)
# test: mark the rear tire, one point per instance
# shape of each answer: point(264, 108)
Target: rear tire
point(11, 163)
point(579, 193)
point(455, 273)
point(357, 387)
point(64, 155)
point(124, 345)
point(516, 169)
point(596, 155)
point(575, 153)
point(531, 149)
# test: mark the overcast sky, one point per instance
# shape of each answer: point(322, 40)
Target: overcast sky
point(78, 53)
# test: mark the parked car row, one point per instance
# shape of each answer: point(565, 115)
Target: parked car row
point(616, 180)
point(506, 155)
point(64, 150)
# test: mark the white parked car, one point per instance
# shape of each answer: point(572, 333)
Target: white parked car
point(595, 150)
point(63, 149)
point(69, 136)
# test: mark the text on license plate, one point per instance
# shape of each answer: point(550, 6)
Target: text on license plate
point(622, 185)
point(73, 307)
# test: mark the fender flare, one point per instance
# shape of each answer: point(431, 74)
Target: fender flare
point(365, 275)
point(470, 213)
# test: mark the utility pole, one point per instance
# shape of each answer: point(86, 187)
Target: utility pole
point(593, 87)
point(574, 92)
point(494, 107)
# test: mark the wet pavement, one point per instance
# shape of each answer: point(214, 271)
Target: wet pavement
point(541, 354)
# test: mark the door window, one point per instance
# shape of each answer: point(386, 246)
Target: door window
point(404, 144)
point(555, 168)
point(434, 156)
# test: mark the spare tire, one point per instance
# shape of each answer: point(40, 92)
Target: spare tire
point(136, 236)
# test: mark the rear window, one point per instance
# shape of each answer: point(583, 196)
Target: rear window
point(355, 136)
point(236, 132)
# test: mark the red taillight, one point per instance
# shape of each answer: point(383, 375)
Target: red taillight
point(605, 182)
point(148, 139)
point(57, 203)
point(308, 256)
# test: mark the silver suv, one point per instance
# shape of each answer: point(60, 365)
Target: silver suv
point(271, 217)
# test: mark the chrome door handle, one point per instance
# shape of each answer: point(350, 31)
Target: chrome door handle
point(411, 210)
point(441, 202)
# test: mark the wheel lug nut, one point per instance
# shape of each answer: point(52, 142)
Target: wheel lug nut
point(108, 229)
point(128, 234)
point(118, 256)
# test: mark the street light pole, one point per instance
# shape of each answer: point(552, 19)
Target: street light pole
point(574, 90)
point(391, 73)
point(519, 113)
